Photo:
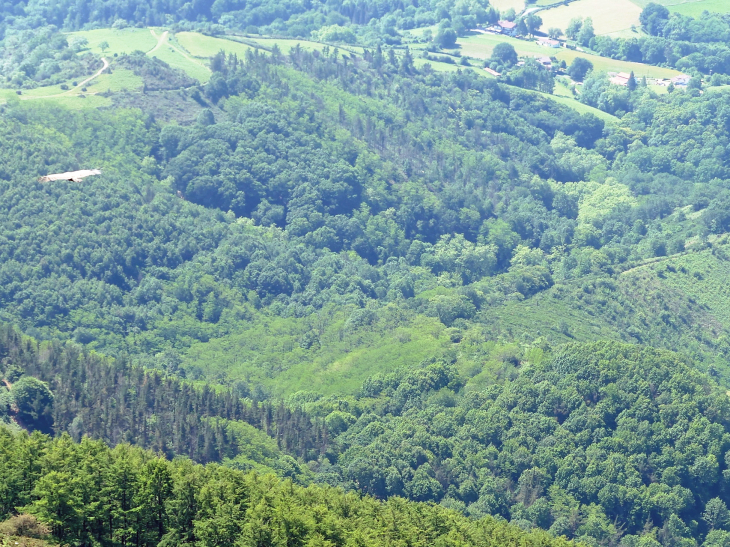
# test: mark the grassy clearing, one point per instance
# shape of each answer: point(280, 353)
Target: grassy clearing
point(202, 46)
point(444, 67)
point(120, 41)
point(177, 58)
point(581, 108)
point(480, 46)
point(701, 275)
point(74, 97)
point(608, 17)
point(269, 352)
point(119, 80)
point(693, 8)
point(78, 102)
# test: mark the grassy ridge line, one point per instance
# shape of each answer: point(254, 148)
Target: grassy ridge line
point(187, 51)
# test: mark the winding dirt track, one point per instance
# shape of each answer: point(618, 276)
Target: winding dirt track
point(87, 80)
point(160, 41)
point(71, 91)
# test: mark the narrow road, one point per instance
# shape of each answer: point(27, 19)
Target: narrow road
point(71, 91)
point(87, 80)
point(8, 384)
point(160, 41)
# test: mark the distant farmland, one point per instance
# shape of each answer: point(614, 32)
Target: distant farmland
point(609, 17)
point(693, 8)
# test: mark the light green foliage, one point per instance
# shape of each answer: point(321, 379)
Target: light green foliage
point(334, 33)
point(597, 201)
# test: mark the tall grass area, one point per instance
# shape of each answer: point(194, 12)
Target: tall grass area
point(329, 353)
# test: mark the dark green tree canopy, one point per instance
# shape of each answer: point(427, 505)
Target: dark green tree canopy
point(504, 53)
point(579, 68)
point(34, 402)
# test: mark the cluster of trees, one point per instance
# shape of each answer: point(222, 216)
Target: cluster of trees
point(88, 494)
point(42, 56)
point(66, 389)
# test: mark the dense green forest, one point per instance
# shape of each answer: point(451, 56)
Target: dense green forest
point(88, 494)
point(321, 191)
point(339, 297)
point(606, 443)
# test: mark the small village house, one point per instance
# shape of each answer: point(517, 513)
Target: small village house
point(507, 27)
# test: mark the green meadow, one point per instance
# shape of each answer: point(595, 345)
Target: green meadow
point(692, 8)
point(272, 351)
point(480, 46)
point(120, 41)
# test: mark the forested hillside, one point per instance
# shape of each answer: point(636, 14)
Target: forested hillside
point(90, 494)
point(605, 443)
point(345, 292)
point(342, 186)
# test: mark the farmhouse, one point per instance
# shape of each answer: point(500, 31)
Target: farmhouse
point(621, 79)
point(681, 80)
point(507, 27)
point(492, 72)
point(548, 42)
point(545, 62)
point(73, 176)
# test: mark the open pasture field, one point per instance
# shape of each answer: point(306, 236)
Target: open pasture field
point(480, 46)
point(609, 17)
point(695, 9)
point(177, 58)
point(74, 102)
point(75, 97)
point(120, 41)
point(119, 80)
point(203, 47)
point(692, 8)
point(581, 108)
